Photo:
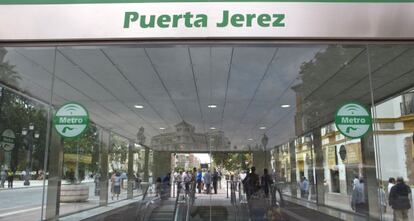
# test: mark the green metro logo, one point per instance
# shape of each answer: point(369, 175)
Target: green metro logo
point(71, 120)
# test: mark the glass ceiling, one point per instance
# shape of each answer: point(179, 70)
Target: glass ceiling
point(244, 91)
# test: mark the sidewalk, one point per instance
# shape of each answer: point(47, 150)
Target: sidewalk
point(18, 184)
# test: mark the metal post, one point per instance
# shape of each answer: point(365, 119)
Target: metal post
point(227, 188)
point(104, 146)
point(55, 176)
point(370, 175)
point(28, 158)
point(319, 170)
point(173, 184)
point(146, 164)
point(131, 180)
point(240, 190)
point(292, 152)
point(77, 163)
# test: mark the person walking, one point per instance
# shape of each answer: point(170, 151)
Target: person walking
point(3, 176)
point(382, 197)
point(187, 181)
point(123, 177)
point(112, 184)
point(116, 181)
point(97, 181)
point(215, 180)
point(220, 175)
point(166, 186)
point(179, 181)
point(358, 197)
point(391, 183)
point(251, 183)
point(207, 181)
point(193, 183)
point(266, 181)
point(137, 181)
point(399, 200)
point(199, 180)
point(304, 187)
point(10, 177)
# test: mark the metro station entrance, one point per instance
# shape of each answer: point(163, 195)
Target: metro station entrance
point(263, 104)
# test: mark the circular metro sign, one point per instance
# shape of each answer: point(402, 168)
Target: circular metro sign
point(7, 140)
point(353, 120)
point(71, 120)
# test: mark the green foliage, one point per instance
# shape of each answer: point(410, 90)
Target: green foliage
point(85, 145)
point(232, 161)
point(179, 169)
point(86, 142)
point(118, 150)
point(17, 112)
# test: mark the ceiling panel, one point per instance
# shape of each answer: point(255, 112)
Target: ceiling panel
point(247, 83)
point(149, 92)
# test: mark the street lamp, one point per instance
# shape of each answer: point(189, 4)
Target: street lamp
point(29, 137)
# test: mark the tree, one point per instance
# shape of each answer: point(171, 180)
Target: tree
point(17, 112)
point(118, 150)
point(87, 146)
point(233, 161)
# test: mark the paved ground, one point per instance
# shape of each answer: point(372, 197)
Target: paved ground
point(18, 184)
point(24, 203)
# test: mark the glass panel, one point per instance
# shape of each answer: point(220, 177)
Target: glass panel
point(333, 76)
point(342, 166)
point(138, 164)
point(236, 102)
point(80, 188)
point(393, 82)
point(25, 89)
point(118, 167)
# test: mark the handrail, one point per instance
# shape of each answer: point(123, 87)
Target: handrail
point(190, 200)
point(176, 200)
point(144, 195)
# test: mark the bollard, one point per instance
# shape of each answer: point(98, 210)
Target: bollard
point(227, 188)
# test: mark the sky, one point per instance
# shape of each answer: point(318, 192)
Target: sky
point(204, 157)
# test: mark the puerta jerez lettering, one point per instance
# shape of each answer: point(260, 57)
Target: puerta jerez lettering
point(190, 20)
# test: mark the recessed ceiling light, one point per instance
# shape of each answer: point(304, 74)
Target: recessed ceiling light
point(285, 106)
point(262, 128)
point(162, 128)
point(250, 139)
point(212, 106)
point(138, 106)
point(212, 128)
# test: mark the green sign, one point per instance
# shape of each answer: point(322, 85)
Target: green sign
point(71, 120)
point(7, 140)
point(190, 20)
point(353, 120)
